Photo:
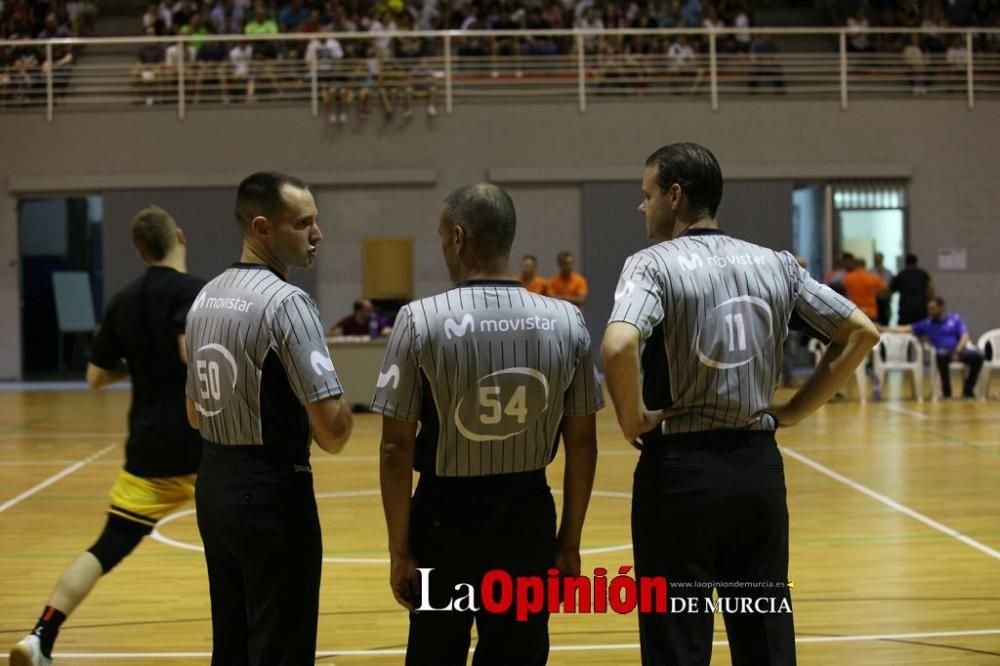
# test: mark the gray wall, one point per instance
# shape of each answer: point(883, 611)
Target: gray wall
point(205, 215)
point(395, 175)
point(759, 211)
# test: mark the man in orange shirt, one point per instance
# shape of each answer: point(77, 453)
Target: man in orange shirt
point(567, 284)
point(863, 288)
point(528, 278)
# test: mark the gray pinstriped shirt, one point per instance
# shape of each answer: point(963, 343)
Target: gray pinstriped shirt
point(256, 346)
point(489, 369)
point(717, 310)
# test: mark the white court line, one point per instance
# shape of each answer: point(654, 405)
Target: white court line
point(920, 416)
point(554, 648)
point(891, 503)
point(55, 477)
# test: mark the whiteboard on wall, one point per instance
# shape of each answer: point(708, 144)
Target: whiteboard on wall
point(74, 302)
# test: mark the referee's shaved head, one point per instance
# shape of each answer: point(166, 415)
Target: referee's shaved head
point(486, 214)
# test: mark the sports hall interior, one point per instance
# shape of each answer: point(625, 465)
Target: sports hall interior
point(894, 504)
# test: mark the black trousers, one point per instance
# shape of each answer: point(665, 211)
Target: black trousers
point(709, 511)
point(970, 357)
point(463, 528)
point(258, 520)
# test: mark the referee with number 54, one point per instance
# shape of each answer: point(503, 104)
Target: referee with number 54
point(493, 374)
point(710, 314)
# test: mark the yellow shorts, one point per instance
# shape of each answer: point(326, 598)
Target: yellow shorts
point(147, 501)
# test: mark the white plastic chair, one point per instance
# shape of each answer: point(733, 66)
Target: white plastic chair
point(991, 340)
point(901, 352)
point(953, 367)
point(817, 348)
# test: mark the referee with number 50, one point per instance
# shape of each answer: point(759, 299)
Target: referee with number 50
point(261, 386)
point(711, 314)
point(493, 375)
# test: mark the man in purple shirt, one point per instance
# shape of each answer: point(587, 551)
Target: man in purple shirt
point(949, 336)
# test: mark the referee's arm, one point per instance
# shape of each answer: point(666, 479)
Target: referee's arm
point(399, 441)
point(331, 423)
point(849, 345)
point(580, 437)
point(620, 357)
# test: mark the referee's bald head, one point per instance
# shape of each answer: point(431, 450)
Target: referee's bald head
point(487, 219)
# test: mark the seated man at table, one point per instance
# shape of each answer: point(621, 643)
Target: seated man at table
point(363, 321)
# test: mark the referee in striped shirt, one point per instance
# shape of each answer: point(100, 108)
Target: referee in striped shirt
point(693, 355)
point(260, 387)
point(493, 375)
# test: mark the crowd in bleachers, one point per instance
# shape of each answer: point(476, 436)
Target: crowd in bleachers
point(924, 14)
point(392, 71)
point(23, 67)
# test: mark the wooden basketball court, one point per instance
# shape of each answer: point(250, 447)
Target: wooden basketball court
point(895, 528)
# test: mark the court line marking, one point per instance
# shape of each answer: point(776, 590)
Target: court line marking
point(14, 501)
point(920, 416)
point(555, 648)
point(891, 503)
point(156, 535)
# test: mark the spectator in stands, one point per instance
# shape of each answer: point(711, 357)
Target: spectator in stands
point(363, 321)
point(262, 24)
point(505, 46)
point(957, 56)
point(196, 26)
point(158, 17)
point(327, 56)
point(264, 53)
point(364, 72)
point(764, 65)
point(934, 43)
point(742, 20)
point(416, 75)
point(916, 65)
point(567, 284)
point(226, 17)
point(62, 56)
point(857, 25)
point(691, 14)
point(241, 59)
point(915, 290)
point(211, 67)
point(171, 61)
point(184, 10)
point(884, 296)
point(147, 72)
point(540, 45)
point(528, 277)
point(589, 20)
point(292, 16)
point(950, 339)
point(682, 64)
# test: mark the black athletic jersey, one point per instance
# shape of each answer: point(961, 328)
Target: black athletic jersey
point(489, 369)
point(141, 326)
point(912, 283)
point(257, 355)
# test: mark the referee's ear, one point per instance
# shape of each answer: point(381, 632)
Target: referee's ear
point(260, 226)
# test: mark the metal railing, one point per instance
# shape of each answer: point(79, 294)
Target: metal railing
point(588, 66)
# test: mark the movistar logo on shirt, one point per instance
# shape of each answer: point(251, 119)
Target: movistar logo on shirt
point(320, 363)
point(212, 303)
point(696, 261)
point(456, 329)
